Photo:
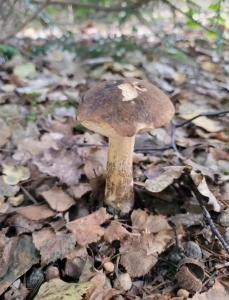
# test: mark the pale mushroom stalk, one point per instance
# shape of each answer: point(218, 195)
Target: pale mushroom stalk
point(119, 181)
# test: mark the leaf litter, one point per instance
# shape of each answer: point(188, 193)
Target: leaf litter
point(47, 158)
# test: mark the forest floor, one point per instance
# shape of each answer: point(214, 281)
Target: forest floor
point(57, 238)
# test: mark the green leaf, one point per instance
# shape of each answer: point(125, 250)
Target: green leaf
point(7, 51)
point(214, 6)
point(60, 290)
point(212, 35)
point(192, 24)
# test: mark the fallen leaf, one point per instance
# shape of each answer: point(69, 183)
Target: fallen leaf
point(142, 221)
point(14, 174)
point(115, 231)
point(163, 178)
point(16, 200)
point(140, 250)
point(61, 112)
point(88, 229)
point(202, 186)
point(95, 162)
point(7, 190)
point(187, 219)
point(60, 290)
point(102, 291)
point(134, 256)
point(17, 292)
point(208, 124)
point(22, 224)
point(58, 199)
point(188, 110)
point(5, 133)
point(36, 212)
point(217, 292)
point(53, 245)
point(30, 147)
point(25, 70)
point(20, 255)
point(64, 164)
point(80, 190)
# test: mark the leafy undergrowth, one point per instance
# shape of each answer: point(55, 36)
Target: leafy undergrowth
point(57, 238)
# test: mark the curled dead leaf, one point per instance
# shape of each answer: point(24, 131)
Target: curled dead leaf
point(202, 186)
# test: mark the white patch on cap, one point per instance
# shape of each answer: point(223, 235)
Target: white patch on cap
point(129, 92)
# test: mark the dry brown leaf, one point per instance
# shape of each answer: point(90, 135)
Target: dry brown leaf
point(142, 221)
point(115, 231)
point(22, 224)
point(19, 255)
point(58, 199)
point(187, 219)
point(217, 292)
point(79, 190)
point(134, 256)
point(31, 147)
point(151, 234)
point(140, 252)
point(36, 212)
point(163, 179)
point(95, 162)
point(64, 164)
point(87, 229)
point(103, 290)
point(53, 246)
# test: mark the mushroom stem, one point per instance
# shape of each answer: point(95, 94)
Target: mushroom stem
point(119, 182)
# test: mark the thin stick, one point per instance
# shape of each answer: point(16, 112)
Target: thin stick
point(28, 194)
point(207, 114)
point(200, 198)
point(173, 134)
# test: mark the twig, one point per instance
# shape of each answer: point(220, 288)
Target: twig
point(173, 134)
point(28, 195)
point(207, 114)
point(200, 198)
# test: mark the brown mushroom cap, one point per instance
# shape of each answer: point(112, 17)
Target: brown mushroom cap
point(125, 107)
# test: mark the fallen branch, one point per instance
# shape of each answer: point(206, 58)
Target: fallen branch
point(201, 199)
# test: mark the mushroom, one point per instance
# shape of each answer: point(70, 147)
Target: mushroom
point(119, 109)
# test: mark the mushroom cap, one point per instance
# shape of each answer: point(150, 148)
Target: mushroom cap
point(125, 107)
